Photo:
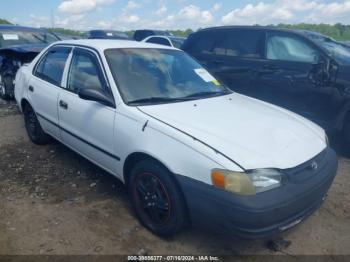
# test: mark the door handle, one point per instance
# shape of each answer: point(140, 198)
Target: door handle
point(31, 89)
point(271, 67)
point(217, 62)
point(63, 104)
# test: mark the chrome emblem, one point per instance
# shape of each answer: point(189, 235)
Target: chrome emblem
point(314, 166)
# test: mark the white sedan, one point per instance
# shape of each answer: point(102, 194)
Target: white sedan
point(189, 150)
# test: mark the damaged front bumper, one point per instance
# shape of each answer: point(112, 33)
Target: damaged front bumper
point(265, 214)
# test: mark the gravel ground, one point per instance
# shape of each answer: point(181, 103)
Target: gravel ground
point(53, 201)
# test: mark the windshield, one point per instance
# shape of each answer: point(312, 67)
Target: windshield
point(17, 37)
point(152, 76)
point(338, 50)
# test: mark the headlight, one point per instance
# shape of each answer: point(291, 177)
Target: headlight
point(249, 183)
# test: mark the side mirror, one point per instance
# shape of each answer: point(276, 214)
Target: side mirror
point(96, 95)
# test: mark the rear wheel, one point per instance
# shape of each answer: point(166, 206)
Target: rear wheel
point(157, 200)
point(33, 127)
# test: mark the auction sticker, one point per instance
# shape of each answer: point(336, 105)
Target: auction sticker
point(204, 75)
point(10, 37)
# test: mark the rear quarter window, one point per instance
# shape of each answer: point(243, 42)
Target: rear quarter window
point(50, 68)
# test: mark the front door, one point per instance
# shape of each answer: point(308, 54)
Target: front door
point(87, 126)
point(293, 77)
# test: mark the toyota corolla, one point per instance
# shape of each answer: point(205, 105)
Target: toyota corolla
point(190, 151)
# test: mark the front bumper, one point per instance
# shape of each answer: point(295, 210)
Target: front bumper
point(265, 214)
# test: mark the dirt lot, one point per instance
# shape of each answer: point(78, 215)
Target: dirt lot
point(52, 201)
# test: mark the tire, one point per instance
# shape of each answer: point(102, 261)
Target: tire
point(346, 136)
point(4, 92)
point(156, 199)
point(33, 127)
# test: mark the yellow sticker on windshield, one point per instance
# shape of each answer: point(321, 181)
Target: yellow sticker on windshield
point(216, 82)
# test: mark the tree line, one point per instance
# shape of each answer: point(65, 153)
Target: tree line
point(337, 31)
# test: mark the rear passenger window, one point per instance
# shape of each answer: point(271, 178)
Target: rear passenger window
point(240, 43)
point(84, 72)
point(51, 67)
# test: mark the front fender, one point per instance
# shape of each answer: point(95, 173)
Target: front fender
point(179, 153)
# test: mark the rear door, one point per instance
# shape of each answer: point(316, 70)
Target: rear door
point(233, 55)
point(44, 87)
point(87, 126)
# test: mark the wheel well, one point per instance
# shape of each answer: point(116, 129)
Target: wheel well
point(134, 158)
point(24, 103)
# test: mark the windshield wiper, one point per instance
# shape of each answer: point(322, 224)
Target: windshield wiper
point(154, 100)
point(208, 94)
point(40, 39)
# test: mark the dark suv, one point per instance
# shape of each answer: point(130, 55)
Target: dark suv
point(139, 35)
point(302, 71)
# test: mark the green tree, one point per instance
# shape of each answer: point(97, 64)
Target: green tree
point(5, 22)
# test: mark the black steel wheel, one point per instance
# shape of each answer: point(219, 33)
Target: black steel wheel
point(33, 127)
point(157, 200)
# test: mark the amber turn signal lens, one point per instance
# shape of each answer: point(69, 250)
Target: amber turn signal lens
point(218, 179)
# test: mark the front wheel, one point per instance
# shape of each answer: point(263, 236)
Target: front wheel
point(156, 198)
point(33, 127)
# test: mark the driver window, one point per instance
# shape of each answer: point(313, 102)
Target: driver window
point(289, 48)
point(84, 72)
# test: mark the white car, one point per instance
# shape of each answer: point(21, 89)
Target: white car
point(173, 41)
point(189, 150)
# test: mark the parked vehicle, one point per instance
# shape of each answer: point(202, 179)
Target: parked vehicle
point(66, 37)
point(346, 43)
point(18, 45)
point(304, 72)
point(107, 34)
point(172, 41)
point(188, 149)
point(139, 35)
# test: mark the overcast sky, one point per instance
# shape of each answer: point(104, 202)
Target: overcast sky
point(171, 14)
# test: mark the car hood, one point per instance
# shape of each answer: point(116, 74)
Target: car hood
point(27, 48)
point(252, 133)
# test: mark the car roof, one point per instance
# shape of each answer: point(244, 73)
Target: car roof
point(272, 28)
point(103, 30)
point(17, 27)
point(103, 44)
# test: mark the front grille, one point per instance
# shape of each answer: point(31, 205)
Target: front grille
point(308, 169)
